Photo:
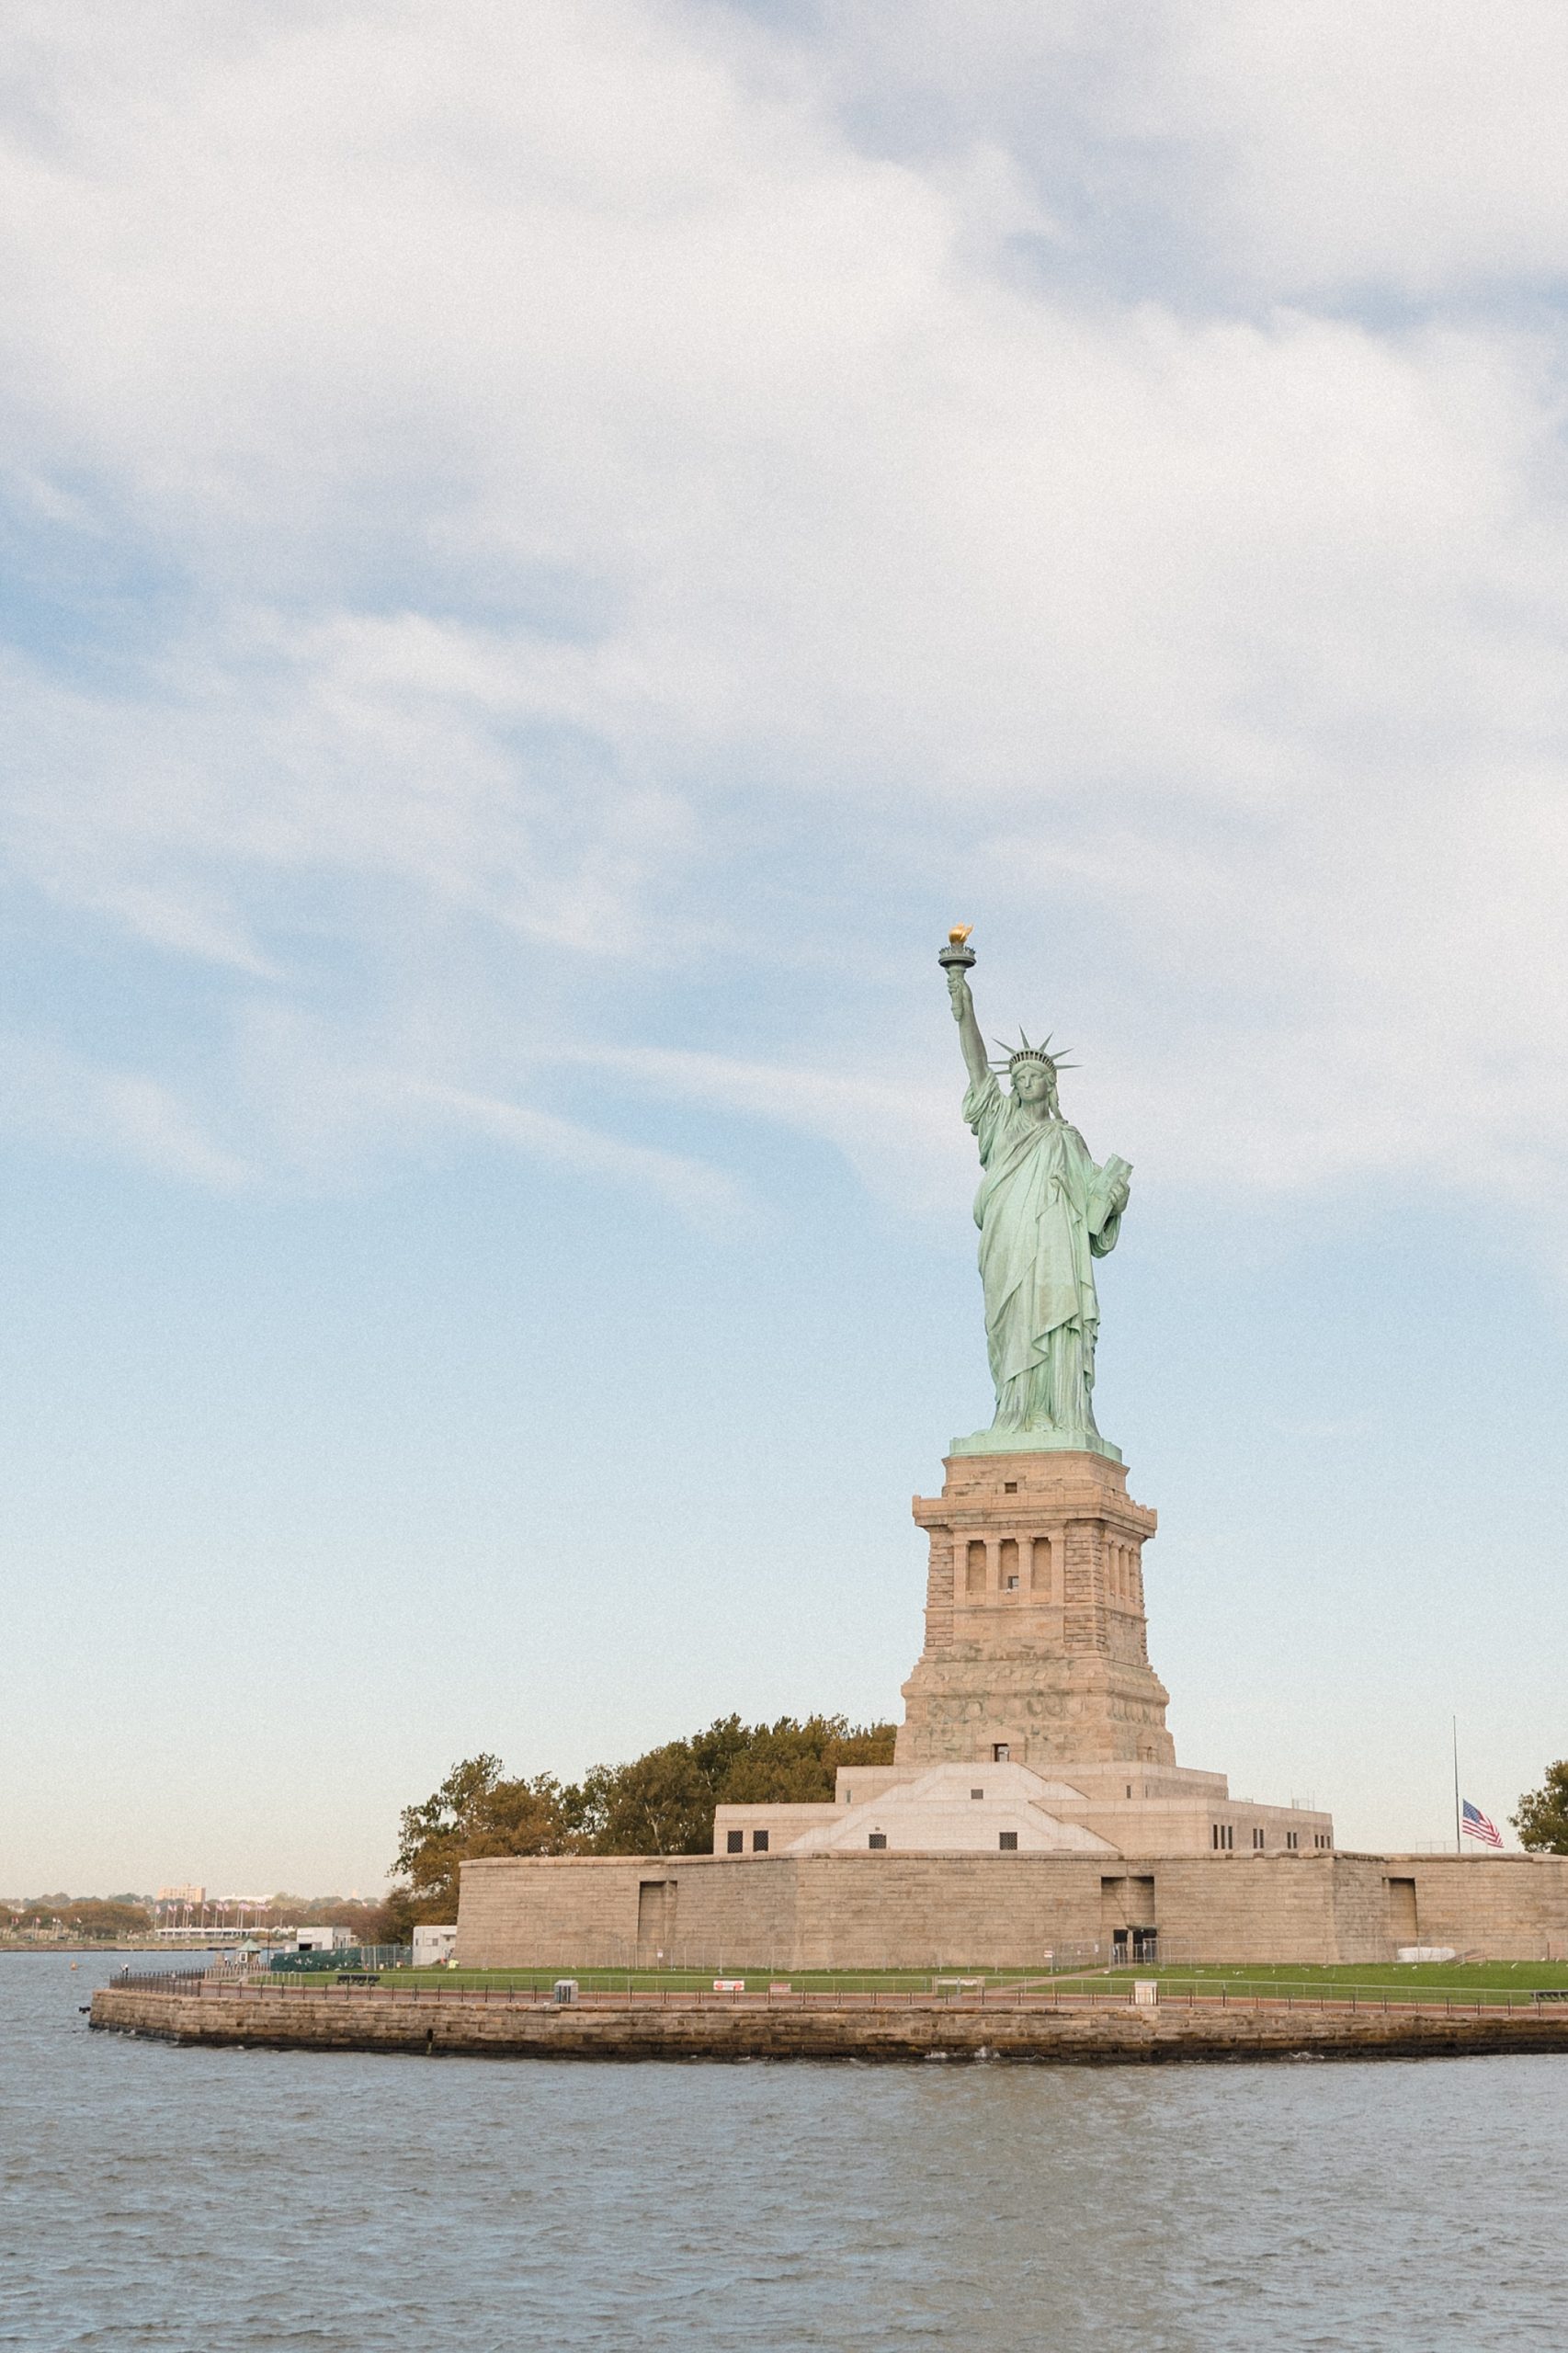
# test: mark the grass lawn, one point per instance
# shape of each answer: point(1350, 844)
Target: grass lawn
point(1407, 1981)
point(1410, 1981)
point(801, 1981)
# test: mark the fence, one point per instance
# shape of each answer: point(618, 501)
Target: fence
point(1191, 1995)
point(345, 1957)
point(620, 1954)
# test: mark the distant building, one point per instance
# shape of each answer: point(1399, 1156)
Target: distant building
point(434, 1946)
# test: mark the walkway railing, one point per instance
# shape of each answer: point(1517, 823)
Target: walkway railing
point(1342, 1999)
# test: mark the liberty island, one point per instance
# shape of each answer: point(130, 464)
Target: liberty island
point(1034, 1806)
point(1034, 1802)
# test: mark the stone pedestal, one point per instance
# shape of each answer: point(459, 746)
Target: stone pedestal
point(1035, 1648)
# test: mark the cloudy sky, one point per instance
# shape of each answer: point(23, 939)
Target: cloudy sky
point(546, 552)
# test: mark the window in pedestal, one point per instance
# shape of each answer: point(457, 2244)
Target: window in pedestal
point(877, 1838)
point(1257, 1839)
point(1007, 1840)
point(977, 1793)
point(1039, 1567)
point(1001, 1753)
point(1010, 1486)
point(734, 1841)
point(974, 1576)
point(1007, 1564)
point(760, 1842)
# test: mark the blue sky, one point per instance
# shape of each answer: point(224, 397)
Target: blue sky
point(547, 555)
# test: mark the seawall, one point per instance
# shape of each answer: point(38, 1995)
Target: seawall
point(1072, 2031)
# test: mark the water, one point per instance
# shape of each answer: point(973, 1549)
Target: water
point(192, 2199)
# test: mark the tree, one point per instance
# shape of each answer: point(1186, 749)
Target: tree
point(92, 1915)
point(663, 1803)
point(660, 1803)
point(477, 1811)
point(796, 1763)
point(1542, 1818)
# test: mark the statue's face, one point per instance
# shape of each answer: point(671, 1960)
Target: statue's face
point(1031, 1082)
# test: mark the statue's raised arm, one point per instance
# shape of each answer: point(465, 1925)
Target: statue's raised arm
point(1045, 1213)
point(970, 1039)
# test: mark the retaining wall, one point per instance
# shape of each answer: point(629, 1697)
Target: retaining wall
point(905, 1911)
point(452, 2025)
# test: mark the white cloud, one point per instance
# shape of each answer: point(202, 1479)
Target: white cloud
point(1371, 142)
point(86, 1107)
point(573, 449)
point(689, 1184)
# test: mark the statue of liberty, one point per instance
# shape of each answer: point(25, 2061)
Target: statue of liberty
point(1045, 1213)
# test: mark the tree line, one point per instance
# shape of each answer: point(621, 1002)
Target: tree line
point(113, 1919)
point(661, 1804)
point(90, 1918)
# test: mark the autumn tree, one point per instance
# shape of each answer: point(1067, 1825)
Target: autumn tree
point(477, 1811)
point(1542, 1818)
point(795, 1763)
point(660, 1803)
point(105, 1917)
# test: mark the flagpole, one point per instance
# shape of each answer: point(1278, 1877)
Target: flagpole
point(1458, 1843)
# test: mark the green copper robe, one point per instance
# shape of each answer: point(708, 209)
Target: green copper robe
point(1045, 1213)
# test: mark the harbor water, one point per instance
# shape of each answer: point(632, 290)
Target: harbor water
point(186, 2199)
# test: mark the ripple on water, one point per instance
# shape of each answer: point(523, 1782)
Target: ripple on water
point(189, 2200)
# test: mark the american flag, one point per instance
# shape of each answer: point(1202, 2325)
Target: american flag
point(1475, 1824)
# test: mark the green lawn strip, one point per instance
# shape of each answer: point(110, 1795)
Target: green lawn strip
point(1488, 1981)
point(756, 1981)
point(1418, 1980)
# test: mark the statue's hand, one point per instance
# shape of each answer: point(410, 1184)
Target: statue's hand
point(957, 990)
point(1115, 1183)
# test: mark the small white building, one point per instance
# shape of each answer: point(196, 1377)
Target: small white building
point(324, 1939)
point(434, 1946)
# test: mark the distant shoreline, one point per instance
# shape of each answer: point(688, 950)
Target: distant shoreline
point(106, 1944)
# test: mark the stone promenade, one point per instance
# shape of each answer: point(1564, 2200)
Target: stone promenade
point(487, 2023)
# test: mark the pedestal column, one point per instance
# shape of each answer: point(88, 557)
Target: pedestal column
point(1056, 1673)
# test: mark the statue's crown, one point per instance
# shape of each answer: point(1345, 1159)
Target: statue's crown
point(1024, 1052)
